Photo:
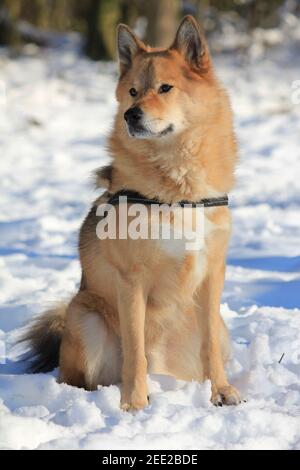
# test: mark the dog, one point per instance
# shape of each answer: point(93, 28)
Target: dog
point(151, 305)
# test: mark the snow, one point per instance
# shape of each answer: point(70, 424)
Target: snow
point(56, 110)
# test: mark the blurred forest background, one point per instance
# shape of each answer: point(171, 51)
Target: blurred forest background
point(35, 21)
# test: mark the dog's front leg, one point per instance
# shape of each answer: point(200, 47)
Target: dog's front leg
point(212, 329)
point(132, 306)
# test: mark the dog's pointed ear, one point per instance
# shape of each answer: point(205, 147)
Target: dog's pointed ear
point(128, 46)
point(190, 43)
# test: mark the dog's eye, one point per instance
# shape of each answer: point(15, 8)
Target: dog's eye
point(165, 88)
point(133, 92)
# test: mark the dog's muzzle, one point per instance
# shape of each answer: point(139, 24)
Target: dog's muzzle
point(134, 120)
point(133, 116)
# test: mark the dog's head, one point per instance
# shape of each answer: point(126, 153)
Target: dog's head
point(163, 92)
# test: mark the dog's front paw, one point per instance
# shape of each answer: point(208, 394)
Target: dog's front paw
point(227, 395)
point(135, 400)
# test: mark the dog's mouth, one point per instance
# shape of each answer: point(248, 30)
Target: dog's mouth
point(141, 132)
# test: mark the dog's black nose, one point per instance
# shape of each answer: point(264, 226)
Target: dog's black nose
point(133, 114)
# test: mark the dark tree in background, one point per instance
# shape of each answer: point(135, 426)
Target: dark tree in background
point(9, 14)
point(24, 21)
point(95, 46)
point(102, 17)
point(162, 18)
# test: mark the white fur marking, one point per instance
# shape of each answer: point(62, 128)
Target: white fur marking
point(102, 351)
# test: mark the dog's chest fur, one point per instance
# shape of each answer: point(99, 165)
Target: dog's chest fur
point(184, 264)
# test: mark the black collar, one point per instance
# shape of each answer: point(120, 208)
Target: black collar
point(135, 197)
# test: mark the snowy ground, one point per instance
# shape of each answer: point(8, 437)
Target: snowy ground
point(53, 124)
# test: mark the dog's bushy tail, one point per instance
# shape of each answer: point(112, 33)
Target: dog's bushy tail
point(44, 338)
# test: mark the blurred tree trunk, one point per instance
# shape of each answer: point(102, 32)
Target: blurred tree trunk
point(10, 11)
point(95, 44)
point(129, 12)
point(162, 17)
point(61, 14)
point(102, 18)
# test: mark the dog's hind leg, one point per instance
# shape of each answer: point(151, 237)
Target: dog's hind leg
point(90, 352)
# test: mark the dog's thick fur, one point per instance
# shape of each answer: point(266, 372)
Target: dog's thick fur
point(142, 305)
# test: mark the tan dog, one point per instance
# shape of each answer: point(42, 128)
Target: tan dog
point(149, 305)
